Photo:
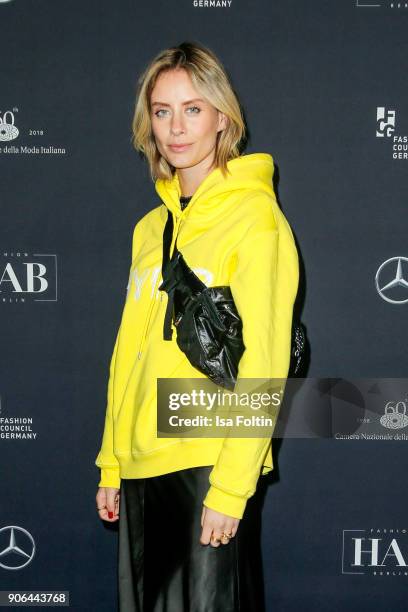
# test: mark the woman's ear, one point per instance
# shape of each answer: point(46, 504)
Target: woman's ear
point(222, 121)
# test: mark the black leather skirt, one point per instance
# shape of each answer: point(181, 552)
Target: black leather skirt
point(162, 567)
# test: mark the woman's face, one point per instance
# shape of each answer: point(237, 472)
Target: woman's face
point(181, 116)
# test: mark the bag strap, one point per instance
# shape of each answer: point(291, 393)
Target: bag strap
point(169, 283)
point(167, 236)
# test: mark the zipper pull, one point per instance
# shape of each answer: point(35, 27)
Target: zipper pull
point(139, 354)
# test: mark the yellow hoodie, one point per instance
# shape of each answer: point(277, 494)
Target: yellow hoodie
point(232, 232)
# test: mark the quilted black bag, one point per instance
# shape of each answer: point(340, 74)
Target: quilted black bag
point(209, 328)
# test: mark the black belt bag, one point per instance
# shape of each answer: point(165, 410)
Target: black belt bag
point(209, 328)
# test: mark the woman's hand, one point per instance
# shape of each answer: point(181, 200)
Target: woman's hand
point(107, 503)
point(214, 524)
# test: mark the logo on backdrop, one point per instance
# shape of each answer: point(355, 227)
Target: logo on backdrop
point(17, 547)
point(16, 428)
point(28, 278)
point(385, 122)
point(391, 280)
point(396, 6)
point(375, 552)
point(9, 133)
point(385, 128)
point(395, 415)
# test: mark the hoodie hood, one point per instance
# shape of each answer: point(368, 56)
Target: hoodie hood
point(248, 172)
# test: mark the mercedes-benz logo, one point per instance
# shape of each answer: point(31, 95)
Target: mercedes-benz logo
point(397, 280)
point(13, 551)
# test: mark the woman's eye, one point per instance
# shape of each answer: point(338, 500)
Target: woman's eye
point(196, 110)
point(196, 107)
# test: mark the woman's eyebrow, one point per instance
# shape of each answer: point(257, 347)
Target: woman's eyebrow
point(187, 102)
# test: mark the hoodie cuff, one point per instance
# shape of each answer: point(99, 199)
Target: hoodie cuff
point(110, 478)
point(227, 503)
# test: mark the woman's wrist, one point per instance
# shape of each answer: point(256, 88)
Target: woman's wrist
point(110, 477)
point(227, 503)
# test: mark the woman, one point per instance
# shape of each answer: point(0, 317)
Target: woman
point(189, 508)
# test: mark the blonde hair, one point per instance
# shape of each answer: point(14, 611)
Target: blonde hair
point(209, 77)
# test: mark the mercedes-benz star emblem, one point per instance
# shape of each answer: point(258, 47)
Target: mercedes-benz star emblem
point(19, 549)
point(394, 285)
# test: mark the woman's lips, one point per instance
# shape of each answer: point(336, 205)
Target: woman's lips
point(179, 148)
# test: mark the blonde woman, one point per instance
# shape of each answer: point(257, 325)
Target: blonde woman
point(189, 508)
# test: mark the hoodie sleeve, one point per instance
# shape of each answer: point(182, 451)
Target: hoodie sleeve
point(106, 460)
point(264, 286)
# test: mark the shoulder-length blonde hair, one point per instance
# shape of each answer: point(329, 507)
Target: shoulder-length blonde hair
point(210, 79)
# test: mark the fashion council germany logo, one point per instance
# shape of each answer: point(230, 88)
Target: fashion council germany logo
point(17, 547)
point(16, 428)
point(25, 277)
point(391, 280)
point(385, 122)
point(385, 128)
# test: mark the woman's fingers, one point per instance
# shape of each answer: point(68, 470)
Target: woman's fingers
point(217, 528)
point(113, 499)
point(220, 534)
point(117, 503)
point(107, 503)
point(206, 533)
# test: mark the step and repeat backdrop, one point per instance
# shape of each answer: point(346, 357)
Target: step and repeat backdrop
point(324, 90)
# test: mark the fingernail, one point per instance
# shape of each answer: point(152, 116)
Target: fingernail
point(110, 514)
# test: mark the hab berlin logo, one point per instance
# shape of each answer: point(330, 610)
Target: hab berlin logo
point(375, 552)
point(26, 277)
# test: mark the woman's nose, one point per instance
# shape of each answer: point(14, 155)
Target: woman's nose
point(177, 126)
